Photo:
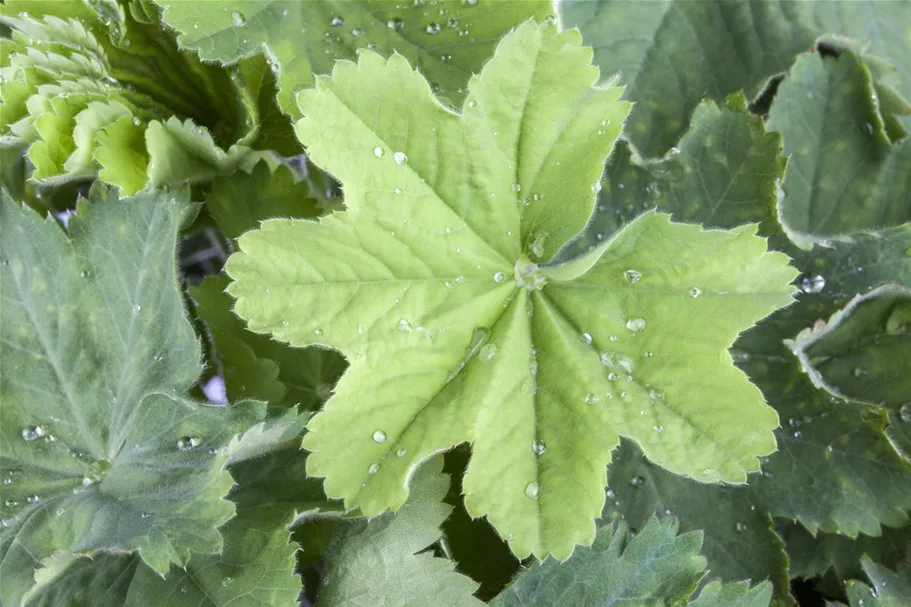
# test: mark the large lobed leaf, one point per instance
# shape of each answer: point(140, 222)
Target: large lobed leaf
point(449, 40)
point(101, 450)
point(428, 285)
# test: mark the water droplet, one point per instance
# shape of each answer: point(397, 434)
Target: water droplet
point(238, 19)
point(859, 372)
point(11, 503)
point(397, 191)
point(488, 352)
point(636, 481)
point(656, 394)
point(740, 527)
point(649, 354)
point(905, 412)
point(186, 443)
point(357, 31)
point(591, 399)
point(400, 158)
point(33, 499)
point(537, 197)
point(798, 434)
point(612, 376)
point(538, 447)
point(695, 292)
point(317, 332)
point(136, 122)
point(137, 308)
point(532, 490)
point(31, 433)
point(586, 338)
point(499, 277)
point(658, 429)
point(812, 284)
point(432, 28)
point(516, 187)
point(404, 325)
point(596, 186)
point(635, 324)
point(623, 395)
point(632, 276)
point(378, 151)
point(337, 21)
point(84, 274)
point(379, 436)
point(373, 469)
point(396, 24)
point(613, 338)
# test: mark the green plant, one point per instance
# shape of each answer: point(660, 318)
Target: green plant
point(495, 260)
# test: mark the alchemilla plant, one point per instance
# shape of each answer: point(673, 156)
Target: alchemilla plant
point(455, 302)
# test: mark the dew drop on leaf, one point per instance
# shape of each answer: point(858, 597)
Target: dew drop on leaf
point(31, 433)
point(137, 308)
point(812, 284)
point(379, 436)
point(591, 399)
point(532, 490)
point(396, 24)
point(397, 191)
point(612, 376)
point(635, 324)
point(373, 469)
point(378, 151)
point(695, 292)
point(489, 352)
point(740, 527)
point(337, 21)
point(632, 276)
point(33, 499)
point(586, 338)
point(538, 447)
point(656, 395)
point(400, 158)
point(905, 412)
point(432, 28)
point(516, 187)
point(658, 429)
point(238, 19)
point(499, 277)
point(186, 443)
point(404, 325)
point(636, 481)
point(401, 452)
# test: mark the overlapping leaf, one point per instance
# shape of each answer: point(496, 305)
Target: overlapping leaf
point(448, 40)
point(656, 567)
point(105, 92)
point(427, 285)
point(101, 451)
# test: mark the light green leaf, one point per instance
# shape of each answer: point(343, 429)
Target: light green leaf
point(861, 352)
point(739, 543)
point(94, 90)
point(100, 449)
point(674, 52)
point(383, 562)
point(306, 37)
point(656, 567)
point(844, 174)
point(425, 285)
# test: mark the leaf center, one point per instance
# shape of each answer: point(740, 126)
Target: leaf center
point(528, 275)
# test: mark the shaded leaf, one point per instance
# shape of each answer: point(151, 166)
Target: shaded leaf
point(101, 451)
point(305, 37)
point(425, 284)
point(892, 588)
point(739, 543)
point(381, 561)
point(844, 174)
point(657, 566)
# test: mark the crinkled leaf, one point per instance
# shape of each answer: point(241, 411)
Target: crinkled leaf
point(674, 52)
point(306, 37)
point(861, 352)
point(382, 561)
point(101, 450)
point(98, 91)
point(844, 174)
point(739, 543)
point(425, 285)
point(657, 566)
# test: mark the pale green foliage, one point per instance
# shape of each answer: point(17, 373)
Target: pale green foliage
point(105, 92)
point(101, 450)
point(383, 561)
point(426, 283)
point(449, 40)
